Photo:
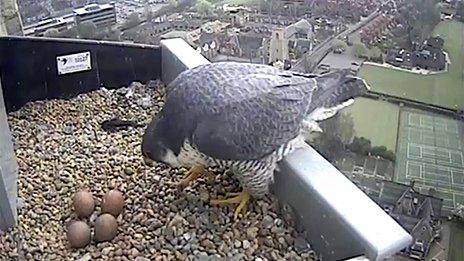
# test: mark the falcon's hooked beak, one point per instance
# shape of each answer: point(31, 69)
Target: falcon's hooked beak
point(154, 149)
point(164, 155)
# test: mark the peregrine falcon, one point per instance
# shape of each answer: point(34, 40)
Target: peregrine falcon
point(242, 117)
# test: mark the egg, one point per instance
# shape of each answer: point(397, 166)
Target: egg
point(113, 203)
point(106, 228)
point(83, 203)
point(78, 234)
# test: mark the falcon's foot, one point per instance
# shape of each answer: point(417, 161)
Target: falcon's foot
point(240, 198)
point(191, 175)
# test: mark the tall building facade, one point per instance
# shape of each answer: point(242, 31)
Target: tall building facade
point(99, 14)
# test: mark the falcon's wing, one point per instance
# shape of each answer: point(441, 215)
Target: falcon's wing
point(254, 121)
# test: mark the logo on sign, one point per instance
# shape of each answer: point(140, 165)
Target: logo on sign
point(72, 63)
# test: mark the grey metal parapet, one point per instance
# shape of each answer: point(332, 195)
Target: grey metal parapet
point(342, 222)
point(29, 67)
point(176, 57)
point(8, 172)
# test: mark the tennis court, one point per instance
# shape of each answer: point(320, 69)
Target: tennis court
point(430, 152)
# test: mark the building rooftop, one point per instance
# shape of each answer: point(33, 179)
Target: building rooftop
point(92, 8)
point(302, 26)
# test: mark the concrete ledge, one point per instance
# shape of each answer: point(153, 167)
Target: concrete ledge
point(342, 222)
point(176, 57)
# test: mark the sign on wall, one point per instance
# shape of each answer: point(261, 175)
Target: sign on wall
point(72, 63)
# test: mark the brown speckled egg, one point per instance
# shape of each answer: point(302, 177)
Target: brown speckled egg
point(83, 203)
point(113, 202)
point(106, 228)
point(78, 234)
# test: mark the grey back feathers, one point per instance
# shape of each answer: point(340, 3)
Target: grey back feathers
point(242, 111)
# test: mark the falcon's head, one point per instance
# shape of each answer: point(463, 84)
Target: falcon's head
point(159, 142)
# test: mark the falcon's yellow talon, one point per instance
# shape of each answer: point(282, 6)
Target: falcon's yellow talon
point(191, 175)
point(240, 198)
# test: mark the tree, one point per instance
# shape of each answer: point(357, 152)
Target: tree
point(114, 35)
point(382, 151)
point(360, 50)
point(52, 32)
point(346, 127)
point(204, 7)
point(328, 146)
point(174, 3)
point(419, 18)
point(375, 52)
point(266, 6)
point(389, 155)
point(379, 150)
point(339, 44)
point(69, 33)
point(460, 11)
point(86, 30)
point(341, 126)
point(148, 13)
point(132, 20)
point(360, 145)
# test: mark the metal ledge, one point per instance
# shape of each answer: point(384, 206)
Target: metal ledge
point(8, 172)
point(342, 222)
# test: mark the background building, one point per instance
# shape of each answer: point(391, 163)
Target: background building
point(58, 23)
point(100, 15)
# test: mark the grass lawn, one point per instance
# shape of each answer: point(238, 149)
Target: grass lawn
point(445, 89)
point(375, 120)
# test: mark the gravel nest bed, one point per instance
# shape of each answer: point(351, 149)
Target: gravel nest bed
point(61, 148)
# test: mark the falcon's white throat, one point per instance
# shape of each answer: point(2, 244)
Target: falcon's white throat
point(171, 159)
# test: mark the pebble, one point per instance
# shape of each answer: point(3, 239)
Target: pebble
point(61, 148)
point(204, 195)
point(106, 250)
point(177, 220)
point(129, 171)
point(267, 222)
point(118, 252)
point(208, 244)
point(186, 236)
point(246, 244)
point(301, 245)
point(252, 233)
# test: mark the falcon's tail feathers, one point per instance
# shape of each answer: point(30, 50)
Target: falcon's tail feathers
point(337, 87)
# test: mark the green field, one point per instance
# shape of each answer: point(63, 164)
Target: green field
point(446, 89)
point(375, 120)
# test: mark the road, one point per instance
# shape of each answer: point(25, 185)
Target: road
point(311, 59)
